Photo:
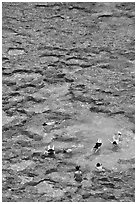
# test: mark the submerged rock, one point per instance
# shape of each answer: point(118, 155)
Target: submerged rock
point(21, 165)
point(49, 190)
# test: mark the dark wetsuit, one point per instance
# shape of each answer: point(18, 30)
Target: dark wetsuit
point(51, 152)
point(114, 143)
point(97, 145)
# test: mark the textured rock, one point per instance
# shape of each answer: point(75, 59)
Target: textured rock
point(6, 119)
point(49, 190)
point(16, 51)
point(21, 165)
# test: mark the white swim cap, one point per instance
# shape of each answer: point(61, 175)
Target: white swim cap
point(119, 133)
point(99, 141)
point(49, 147)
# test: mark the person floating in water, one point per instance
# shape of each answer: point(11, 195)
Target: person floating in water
point(78, 174)
point(116, 140)
point(97, 145)
point(50, 151)
point(119, 135)
point(67, 151)
point(99, 167)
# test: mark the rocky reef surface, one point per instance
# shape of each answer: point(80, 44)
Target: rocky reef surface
point(68, 79)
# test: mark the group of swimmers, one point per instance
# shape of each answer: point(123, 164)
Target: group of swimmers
point(78, 173)
point(96, 148)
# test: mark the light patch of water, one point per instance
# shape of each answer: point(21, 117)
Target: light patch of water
point(22, 165)
point(89, 128)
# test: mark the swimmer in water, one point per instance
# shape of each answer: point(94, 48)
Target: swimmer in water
point(97, 145)
point(99, 167)
point(67, 151)
point(78, 174)
point(50, 151)
point(115, 142)
point(119, 135)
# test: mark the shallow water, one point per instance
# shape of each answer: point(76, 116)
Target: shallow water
point(68, 79)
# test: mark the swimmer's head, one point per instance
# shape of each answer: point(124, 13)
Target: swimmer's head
point(119, 133)
point(99, 141)
point(77, 168)
point(98, 164)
